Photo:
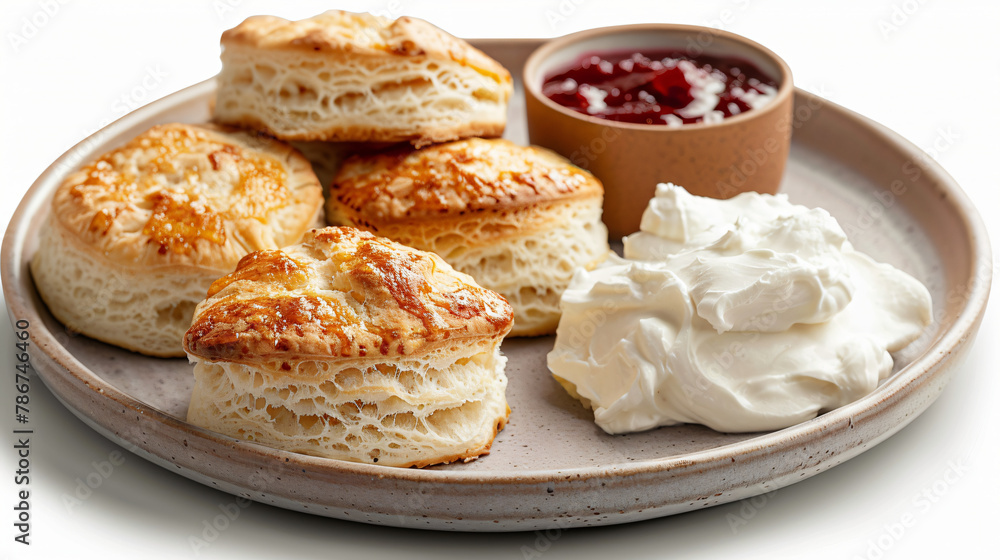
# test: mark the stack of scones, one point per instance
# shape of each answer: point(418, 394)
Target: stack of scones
point(376, 339)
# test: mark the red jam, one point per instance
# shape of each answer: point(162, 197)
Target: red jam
point(660, 87)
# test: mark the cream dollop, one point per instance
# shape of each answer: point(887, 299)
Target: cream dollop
point(744, 315)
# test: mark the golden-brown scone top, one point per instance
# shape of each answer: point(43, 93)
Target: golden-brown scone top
point(455, 179)
point(361, 33)
point(342, 293)
point(182, 194)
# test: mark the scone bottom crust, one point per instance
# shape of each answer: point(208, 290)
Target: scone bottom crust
point(342, 293)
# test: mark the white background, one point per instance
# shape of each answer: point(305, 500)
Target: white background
point(929, 71)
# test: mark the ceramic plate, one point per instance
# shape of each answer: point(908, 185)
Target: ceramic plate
point(551, 466)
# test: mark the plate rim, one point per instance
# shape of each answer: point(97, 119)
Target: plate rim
point(23, 303)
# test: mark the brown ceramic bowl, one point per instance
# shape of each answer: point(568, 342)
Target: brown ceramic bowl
point(743, 152)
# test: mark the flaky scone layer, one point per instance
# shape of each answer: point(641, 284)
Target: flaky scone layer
point(136, 307)
point(342, 76)
point(410, 412)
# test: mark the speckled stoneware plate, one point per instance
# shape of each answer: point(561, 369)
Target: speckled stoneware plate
point(551, 467)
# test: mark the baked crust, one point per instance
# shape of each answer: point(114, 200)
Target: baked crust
point(520, 220)
point(342, 293)
point(466, 179)
point(197, 195)
point(358, 34)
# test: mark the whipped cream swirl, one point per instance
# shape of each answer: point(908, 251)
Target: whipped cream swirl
point(744, 315)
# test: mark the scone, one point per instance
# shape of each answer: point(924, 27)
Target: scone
point(352, 347)
point(519, 220)
point(135, 238)
point(342, 76)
